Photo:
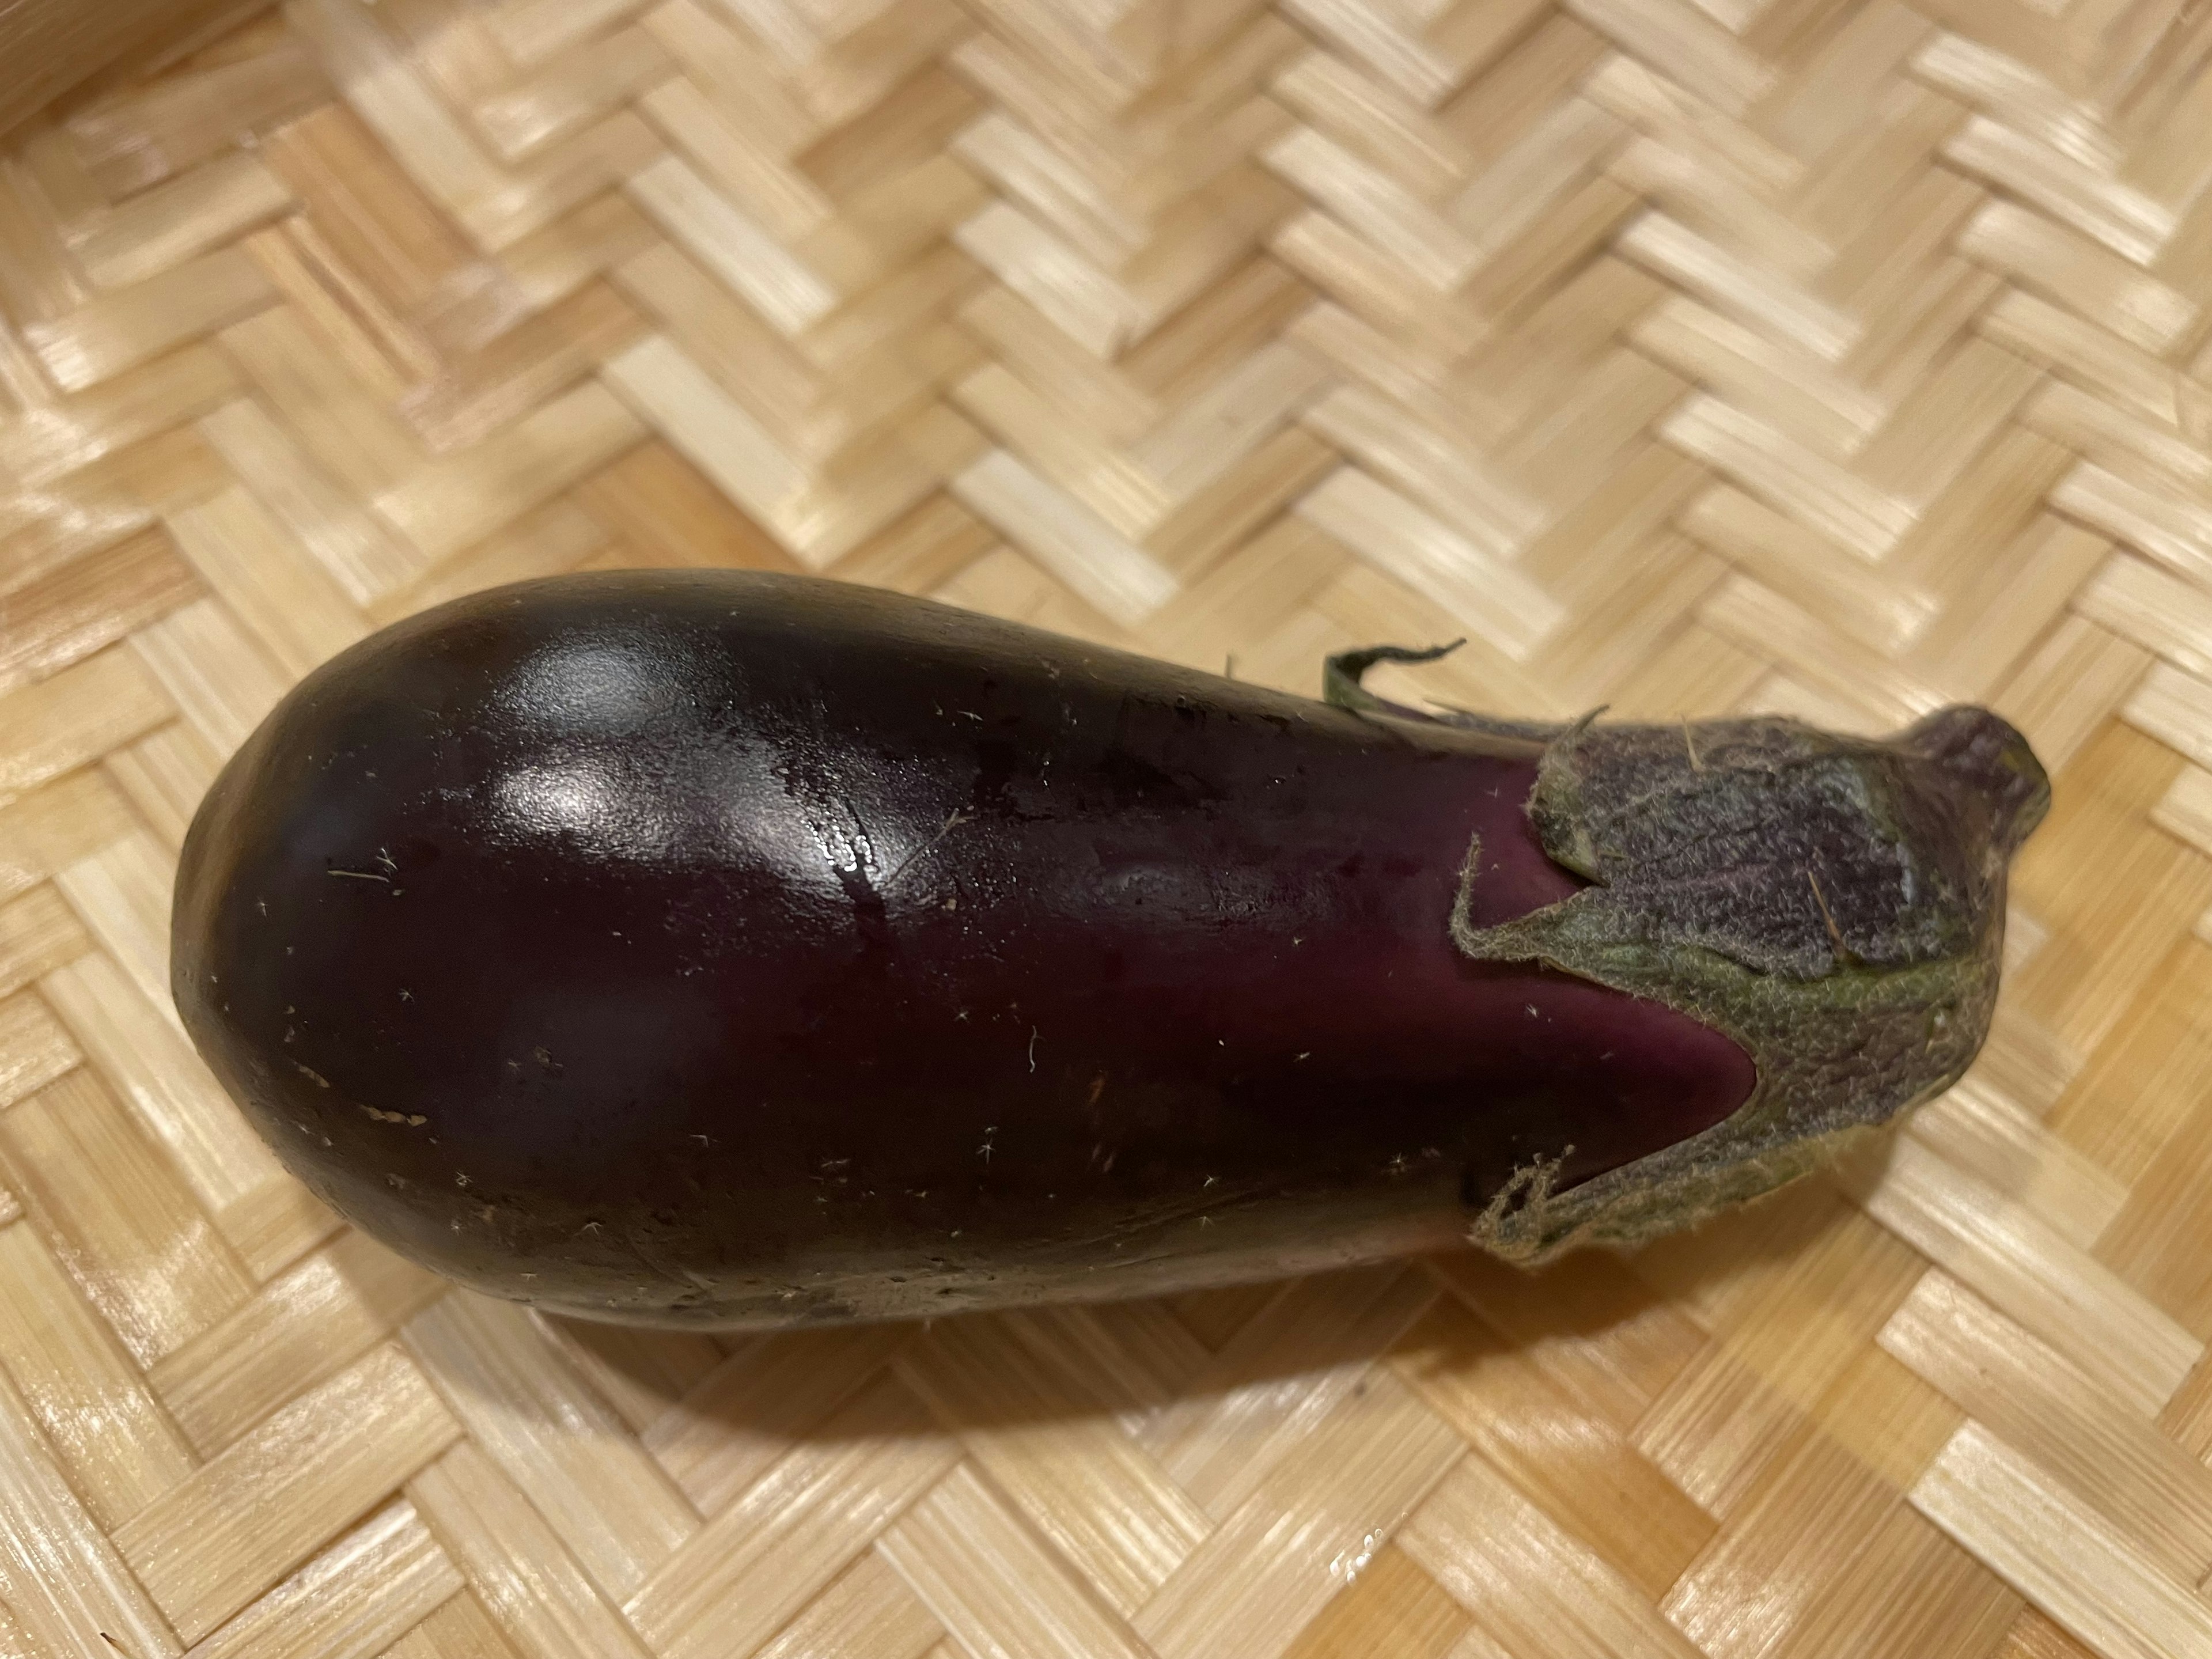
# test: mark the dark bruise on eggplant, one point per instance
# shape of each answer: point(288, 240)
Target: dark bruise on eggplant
point(725, 948)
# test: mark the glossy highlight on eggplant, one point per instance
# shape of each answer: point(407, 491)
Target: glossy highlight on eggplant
point(731, 949)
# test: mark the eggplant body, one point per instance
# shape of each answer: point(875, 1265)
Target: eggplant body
point(728, 949)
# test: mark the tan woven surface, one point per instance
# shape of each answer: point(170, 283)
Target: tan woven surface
point(1689, 354)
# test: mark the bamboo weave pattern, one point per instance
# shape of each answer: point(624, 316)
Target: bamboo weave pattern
point(1842, 357)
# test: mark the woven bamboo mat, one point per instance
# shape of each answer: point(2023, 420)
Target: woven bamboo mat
point(1812, 356)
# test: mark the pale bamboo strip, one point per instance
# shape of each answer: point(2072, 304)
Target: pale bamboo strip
point(166, 776)
point(1596, 1330)
point(1113, 1511)
point(644, 1374)
point(1579, 1466)
point(1991, 1138)
point(765, 1556)
point(2125, 220)
point(985, 1579)
point(175, 1099)
point(459, 499)
point(740, 1419)
point(1122, 580)
point(124, 893)
point(116, 1215)
point(2050, 1411)
point(1912, 1590)
point(130, 326)
point(524, 1575)
point(53, 827)
point(39, 933)
point(2057, 1552)
point(217, 1538)
point(1534, 1590)
point(1277, 1378)
point(2175, 708)
point(34, 1050)
point(2078, 677)
point(867, 1614)
point(299, 1331)
point(1813, 1507)
point(458, 1628)
point(163, 226)
point(62, 722)
point(553, 1437)
point(1495, 601)
point(2027, 1270)
point(354, 1600)
point(1305, 1531)
point(1828, 498)
point(2169, 522)
point(119, 1447)
point(63, 1579)
point(1792, 1328)
point(366, 559)
point(220, 680)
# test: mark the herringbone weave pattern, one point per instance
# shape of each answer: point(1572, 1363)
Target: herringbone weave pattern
point(1835, 357)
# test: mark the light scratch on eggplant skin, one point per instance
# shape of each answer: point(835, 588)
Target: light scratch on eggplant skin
point(361, 875)
point(952, 821)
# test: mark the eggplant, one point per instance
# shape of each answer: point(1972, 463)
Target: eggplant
point(733, 949)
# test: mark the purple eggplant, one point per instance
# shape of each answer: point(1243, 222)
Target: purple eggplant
point(731, 949)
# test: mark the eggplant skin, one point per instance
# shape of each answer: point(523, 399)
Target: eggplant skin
point(721, 948)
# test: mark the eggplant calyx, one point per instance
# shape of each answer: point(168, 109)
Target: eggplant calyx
point(1835, 904)
point(1341, 676)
